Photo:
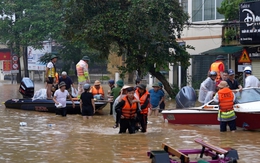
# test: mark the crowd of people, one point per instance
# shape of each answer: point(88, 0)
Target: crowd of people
point(220, 85)
point(132, 105)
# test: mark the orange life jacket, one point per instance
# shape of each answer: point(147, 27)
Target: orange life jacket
point(95, 91)
point(215, 67)
point(129, 110)
point(142, 101)
point(56, 78)
point(80, 67)
point(226, 97)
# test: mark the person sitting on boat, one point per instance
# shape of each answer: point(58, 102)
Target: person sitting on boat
point(50, 75)
point(69, 83)
point(87, 103)
point(97, 90)
point(127, 108)
point(232, 82)
point(226, 114)
point(251, 80)
point(144, 97)
point(207, 88)
point(60, 98)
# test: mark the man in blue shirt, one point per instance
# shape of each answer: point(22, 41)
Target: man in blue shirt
point(156, 98)
point(68, 82)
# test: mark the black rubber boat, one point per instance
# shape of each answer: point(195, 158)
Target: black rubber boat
point(48, 105)
point(43, 105)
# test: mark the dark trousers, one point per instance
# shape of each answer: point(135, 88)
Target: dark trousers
point(111, 108)
point(231, 124)
point(127, 124)
point(61, 111)
point(142, 118)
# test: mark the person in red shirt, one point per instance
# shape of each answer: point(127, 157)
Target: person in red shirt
point(219, 67)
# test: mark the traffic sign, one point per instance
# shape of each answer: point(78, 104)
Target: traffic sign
point(244, 58)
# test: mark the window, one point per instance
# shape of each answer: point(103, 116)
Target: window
point(184, 4)
point(196, 10)
point(209, 10)
point(205, 10)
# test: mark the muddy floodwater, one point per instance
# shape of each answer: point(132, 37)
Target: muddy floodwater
point(48, 138)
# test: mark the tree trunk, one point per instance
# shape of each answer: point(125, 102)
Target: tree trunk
point(165, 83)
point(25, 62)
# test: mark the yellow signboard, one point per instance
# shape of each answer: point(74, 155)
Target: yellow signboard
point(244, 58)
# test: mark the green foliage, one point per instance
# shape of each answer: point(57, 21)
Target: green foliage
point(142, 30)
point(104, 78)
point(230, 9)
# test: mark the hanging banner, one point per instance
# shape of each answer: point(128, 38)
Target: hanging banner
point(34, 56)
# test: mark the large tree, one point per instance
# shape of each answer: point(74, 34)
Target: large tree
point(143, 30)
point(28, 23)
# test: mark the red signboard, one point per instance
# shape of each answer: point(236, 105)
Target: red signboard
point(7, 66)
point(5, 55)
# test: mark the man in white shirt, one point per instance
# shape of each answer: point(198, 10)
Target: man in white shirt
point(251, 80)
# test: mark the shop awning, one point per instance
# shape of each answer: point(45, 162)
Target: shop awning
point(223, 50)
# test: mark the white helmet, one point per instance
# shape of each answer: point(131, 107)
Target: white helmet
point(247, 68)
point(86, 86)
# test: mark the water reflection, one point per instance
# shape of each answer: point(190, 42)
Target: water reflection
point(72, 139)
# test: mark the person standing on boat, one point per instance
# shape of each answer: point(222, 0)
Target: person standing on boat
point(97, 90)
point(219, 67)
point(60, 98)
point(207, 88)
point(127, 108)
point(87, 103)
point(144, 97)
point(251, 80)
point(111, 84)
point(69, 83)
point(50, 75)
point(232, 82)
point(226, 114)
point(156, 98)
point(82, 73)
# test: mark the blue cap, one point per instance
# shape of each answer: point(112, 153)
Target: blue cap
point(111, 82)
point(231, 72)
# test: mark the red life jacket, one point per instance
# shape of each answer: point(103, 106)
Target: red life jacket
point(215, 67)
point(225, 97)
point(142, 101)
point(129, 110)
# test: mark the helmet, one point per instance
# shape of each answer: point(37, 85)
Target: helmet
point(111, 82)
point(86, 86)
point(247, 68)
point(213, 73)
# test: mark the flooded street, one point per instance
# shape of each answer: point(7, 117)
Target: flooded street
point(48, 138)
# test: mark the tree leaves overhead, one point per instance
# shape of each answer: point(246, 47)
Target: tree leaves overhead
point(142, 30)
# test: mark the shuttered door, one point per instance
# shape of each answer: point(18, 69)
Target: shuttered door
point(256, 68)
point(200, 68)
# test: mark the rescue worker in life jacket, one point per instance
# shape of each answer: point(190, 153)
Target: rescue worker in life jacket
point(144, 97)
point(127, 108)
point(97, 90)
point(219, 67)
point(226, 114)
